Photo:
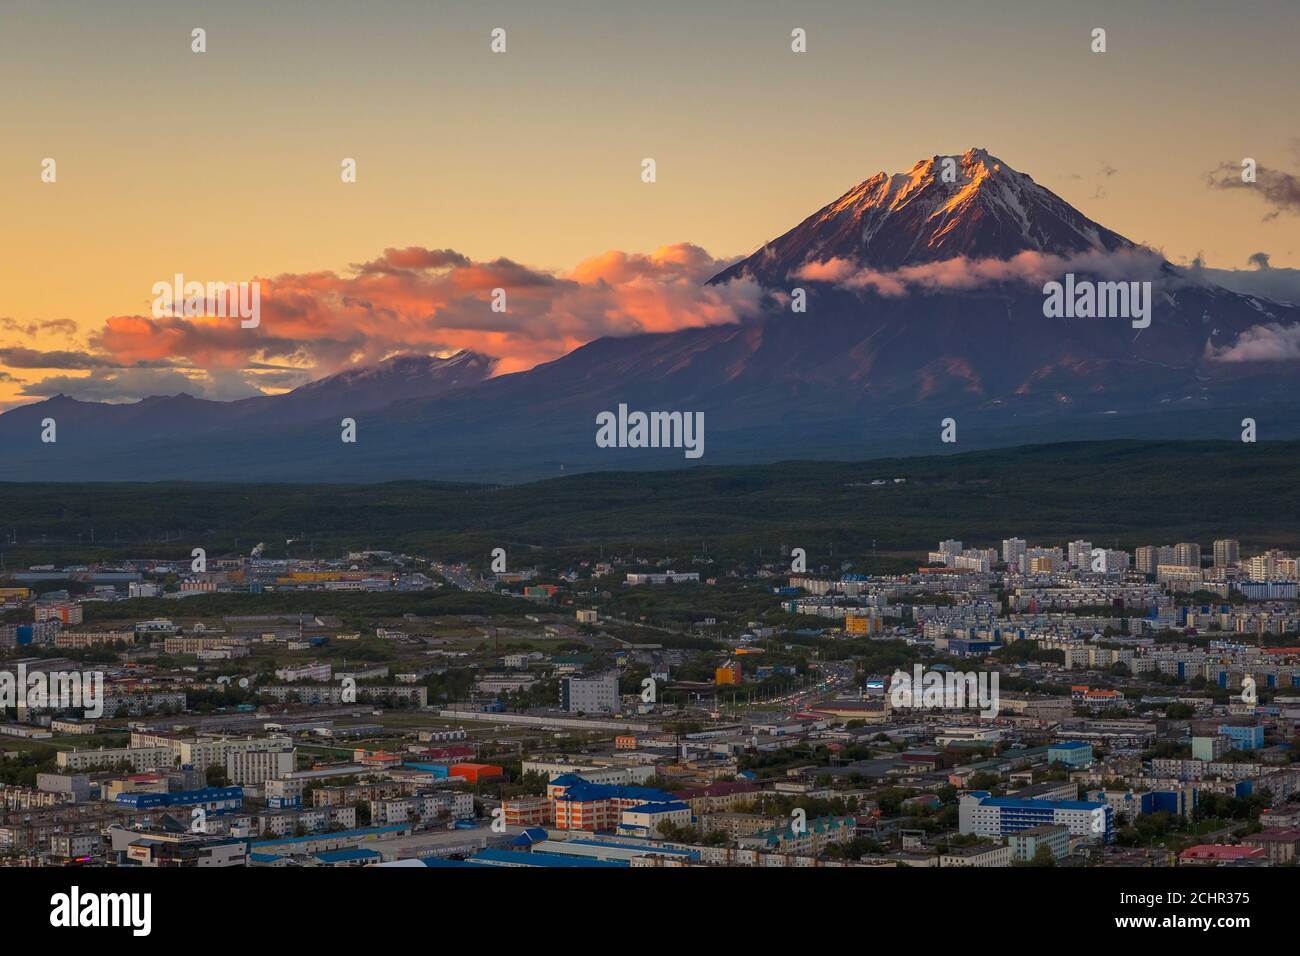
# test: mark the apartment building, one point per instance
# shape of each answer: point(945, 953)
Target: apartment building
point(590, 695)
point(809, 839)
point(249, 768)
point(203, 752)
point(108, 758)
point(1227, 553)
point(66, 640)
point(1026, 843)
point(976, 856)
point(424, 808)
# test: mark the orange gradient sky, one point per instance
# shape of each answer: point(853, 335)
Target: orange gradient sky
point(225, 165)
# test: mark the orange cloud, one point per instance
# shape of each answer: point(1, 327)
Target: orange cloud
point(428, 300)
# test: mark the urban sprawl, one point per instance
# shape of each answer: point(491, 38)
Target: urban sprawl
point(1002, 706)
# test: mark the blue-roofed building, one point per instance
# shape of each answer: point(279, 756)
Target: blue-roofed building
point(1072, 753)
point(966, 647)
point(314, 844)
point(645, 818)
point(565, 780)
point(491, 857)
point(622, 849)
point(581, 805)
point(529, 836)
point(438, 770)
point(1243, 738)
point(354, 856)
point(213, 800)
point(984, 815)
point(425, 861)
point(585, 792)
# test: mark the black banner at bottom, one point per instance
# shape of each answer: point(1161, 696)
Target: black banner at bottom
point(137, 905)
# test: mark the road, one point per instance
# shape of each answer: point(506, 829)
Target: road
point(458, 577)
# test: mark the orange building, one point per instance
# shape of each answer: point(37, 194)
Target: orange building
point(377, 759)
point(579, 805)
point(528, 811)
point(59, 611)
point(476, 772)
point(728, 673)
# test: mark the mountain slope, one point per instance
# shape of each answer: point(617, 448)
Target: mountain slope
point(987, 211)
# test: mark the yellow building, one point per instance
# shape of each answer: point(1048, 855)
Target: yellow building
point(861, 624)
point(83, 639)
point(728, 673)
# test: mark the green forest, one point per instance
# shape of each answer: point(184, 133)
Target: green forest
point(1118, 494)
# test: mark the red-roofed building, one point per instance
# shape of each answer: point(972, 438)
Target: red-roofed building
point(378, 759)
point(1221, 853)
point(1102, 696)
point(454, 754)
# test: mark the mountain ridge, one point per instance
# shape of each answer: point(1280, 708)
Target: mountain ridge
point(863, 370)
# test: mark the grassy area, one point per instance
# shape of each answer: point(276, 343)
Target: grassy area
point(65, 742)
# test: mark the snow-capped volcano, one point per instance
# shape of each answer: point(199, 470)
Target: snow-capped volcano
point(971, 204)
point(862, 371)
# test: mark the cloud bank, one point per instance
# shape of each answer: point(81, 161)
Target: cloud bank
point(406, 300)
point(961, 274)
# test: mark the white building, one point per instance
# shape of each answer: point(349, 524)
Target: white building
point(139, 758)
point(590, 695)
point(984, 815)
point(1227, 553)
point(250, 768)
point(314, 671)
point(668, 577)
point(202, 752)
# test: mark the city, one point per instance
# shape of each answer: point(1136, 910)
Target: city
point(1142, 713)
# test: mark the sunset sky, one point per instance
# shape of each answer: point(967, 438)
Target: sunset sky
point(522, 169)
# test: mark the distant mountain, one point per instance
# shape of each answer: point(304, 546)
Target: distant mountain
point(351, 392)
point(401, 378)
point(864, 371)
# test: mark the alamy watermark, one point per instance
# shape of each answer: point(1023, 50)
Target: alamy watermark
point(1085, 299)
point(53, 690)
point(651, 430)
point(241, 300)
point(945, 690)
